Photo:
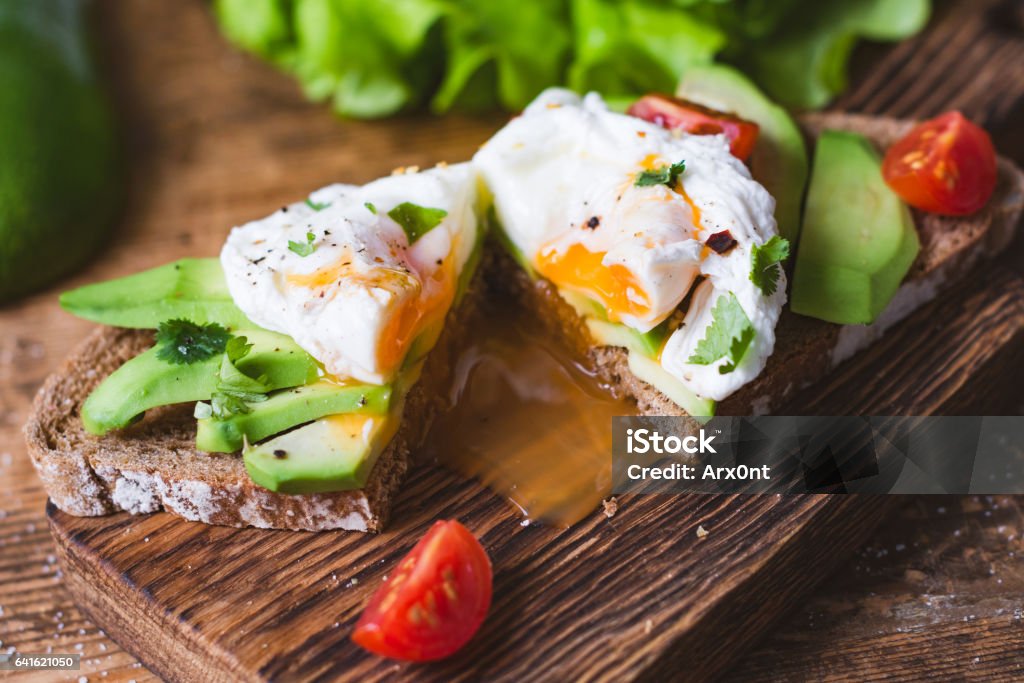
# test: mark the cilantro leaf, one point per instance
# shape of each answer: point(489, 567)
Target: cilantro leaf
point(237, 348)
point(371, 208)
point(764, 263)
point(316, 206)
point(728, 336)
point(663, 175)
point(235, 389)
point(225, 404)
point(303, 249)
point(416, 220)
point(181, 341)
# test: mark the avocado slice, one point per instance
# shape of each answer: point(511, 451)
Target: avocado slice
point(146, 382)
point(584, 305)
point(61, 172)
point(608, 333)
point(334, 453)
point(192, 288)
point(614, 334)
point(288, 408)
point(859, 239)
point(650, 371)
point(779, 160)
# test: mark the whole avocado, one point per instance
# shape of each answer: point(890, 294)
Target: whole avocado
point(59, 175)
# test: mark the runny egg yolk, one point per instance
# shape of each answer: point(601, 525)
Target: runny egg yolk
point(415, 315)
point(613, 286)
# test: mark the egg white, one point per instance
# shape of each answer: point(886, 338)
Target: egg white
point(568, 160)
point(338, 303)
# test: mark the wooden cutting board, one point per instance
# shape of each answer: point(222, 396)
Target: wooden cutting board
point(632, 597)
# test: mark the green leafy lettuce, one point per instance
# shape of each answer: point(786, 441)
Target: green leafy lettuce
point(373, 58)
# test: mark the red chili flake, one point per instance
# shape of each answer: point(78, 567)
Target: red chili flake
point(721, 242)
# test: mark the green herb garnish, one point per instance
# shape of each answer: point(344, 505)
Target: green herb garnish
point(663, 175)
point(181, 341)
point(728, 336)
point(235, 389)
point(416, 220)
point(371, 208)
point(316, 206)
point(764, 263)
point(303, 249)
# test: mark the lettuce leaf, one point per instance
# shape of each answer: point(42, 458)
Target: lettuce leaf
point(629, 47)
point(805, 64)
point(356, 53)
point(373, 58)
point(524, 44)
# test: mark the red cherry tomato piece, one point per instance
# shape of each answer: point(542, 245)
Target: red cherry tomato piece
point(946, 165)
point(434, 602)
point(678, 114)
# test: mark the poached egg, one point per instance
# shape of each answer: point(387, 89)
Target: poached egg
point(344, 279)
point(575, 188)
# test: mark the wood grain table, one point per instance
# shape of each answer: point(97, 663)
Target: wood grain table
point(939, 591)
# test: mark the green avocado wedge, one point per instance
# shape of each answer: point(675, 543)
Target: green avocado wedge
point(60, 173)
point(145, 382)
point(859, 239)
point(289, 408)
point(779, 160)
point(608, 333)
point(615, 334)
point(192, 288)
point(335, 453)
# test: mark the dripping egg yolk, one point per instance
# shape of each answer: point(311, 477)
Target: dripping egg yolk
point(614, 286)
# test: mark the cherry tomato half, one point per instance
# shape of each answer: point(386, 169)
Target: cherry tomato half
point(678, 114)
point(434, 602)
point(946, 165)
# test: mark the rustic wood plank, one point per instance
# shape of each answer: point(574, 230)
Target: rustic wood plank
point(184, 596)
point(936, 592)
point(202, 602)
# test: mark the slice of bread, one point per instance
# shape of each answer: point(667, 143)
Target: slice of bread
point(154, 464)
point(806, 349)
